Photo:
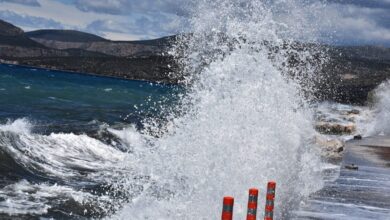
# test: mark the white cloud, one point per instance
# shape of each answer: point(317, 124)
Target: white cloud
point(178, 7)
point(351, 24)
point(28, 23)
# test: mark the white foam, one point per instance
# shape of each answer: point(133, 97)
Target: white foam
point(70, 158)
point(20, 126)
point(59, 155)
point(381, 111)
point(26, 198)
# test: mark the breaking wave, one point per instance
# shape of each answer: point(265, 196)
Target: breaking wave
point(245, 119)
point(56, 170)
point(380, 111)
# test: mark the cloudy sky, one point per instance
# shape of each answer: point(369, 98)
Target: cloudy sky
point(340, 21)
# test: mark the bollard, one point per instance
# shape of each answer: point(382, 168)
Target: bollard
point(227, 209)
point(252, 204)
point(269, 203)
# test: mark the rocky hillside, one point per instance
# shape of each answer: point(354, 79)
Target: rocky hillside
point(7, 29)
point(11, 35)
point(83, 52)
point(355, 71)
point(64, 36)
point(349, 76)
point(66, 39)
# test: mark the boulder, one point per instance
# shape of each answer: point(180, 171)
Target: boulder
point(334, 128)
point(330, 148)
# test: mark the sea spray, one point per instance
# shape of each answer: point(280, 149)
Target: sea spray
point(245, 120)
point(380, 112)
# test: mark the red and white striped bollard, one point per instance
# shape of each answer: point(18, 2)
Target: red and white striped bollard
point(227, 209)
point(270, 199)
point(252, 204)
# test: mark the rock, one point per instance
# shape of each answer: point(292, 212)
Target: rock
point(354, 112)
point(333, 128)
point(331, 148)
point(348, 76)
point(351, 167)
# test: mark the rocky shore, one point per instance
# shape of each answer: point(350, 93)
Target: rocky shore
point(350, 75)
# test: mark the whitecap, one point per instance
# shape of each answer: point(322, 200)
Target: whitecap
point(20, 126)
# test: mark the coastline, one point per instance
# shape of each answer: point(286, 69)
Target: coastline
point(87, 73)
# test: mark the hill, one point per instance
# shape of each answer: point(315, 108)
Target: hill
point(7, 29)
point(12, 35)
point(83, 52)
point(65, 36)
point(67, 39)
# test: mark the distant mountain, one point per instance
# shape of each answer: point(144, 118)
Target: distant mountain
point(160, 42)
point(353, 72)
point(350, 75)
point(67, 39)
point(14, 43)
point(84, 52)
point(65, 36)
point(364, 52)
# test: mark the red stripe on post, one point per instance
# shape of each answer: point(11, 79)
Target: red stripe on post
point(252, 204)
point(269, 204)
point(227, 209)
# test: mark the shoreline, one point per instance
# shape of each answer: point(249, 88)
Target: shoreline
point(10, 64)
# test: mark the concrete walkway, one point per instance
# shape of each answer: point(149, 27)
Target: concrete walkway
point(356, 194)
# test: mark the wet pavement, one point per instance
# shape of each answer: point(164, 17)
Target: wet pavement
point(362, 189)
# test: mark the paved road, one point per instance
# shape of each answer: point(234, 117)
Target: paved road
point(356, 194)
